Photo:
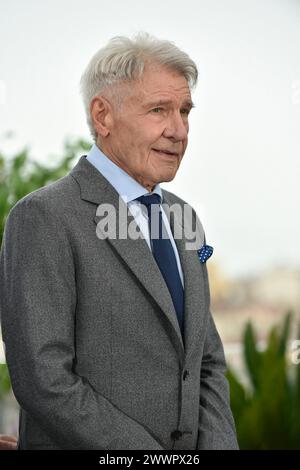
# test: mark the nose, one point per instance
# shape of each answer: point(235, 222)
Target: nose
point(176, 128)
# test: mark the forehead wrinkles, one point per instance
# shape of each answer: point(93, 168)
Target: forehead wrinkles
point(152, 86)
point(176, 84)
point(168, 92)
point(158, 79)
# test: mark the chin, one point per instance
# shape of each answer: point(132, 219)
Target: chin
point(168, 176)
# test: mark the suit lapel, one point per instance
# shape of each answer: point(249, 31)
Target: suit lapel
point(139, 259)
point(194, 291)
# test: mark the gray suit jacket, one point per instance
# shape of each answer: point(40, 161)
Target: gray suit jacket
point(92, 342)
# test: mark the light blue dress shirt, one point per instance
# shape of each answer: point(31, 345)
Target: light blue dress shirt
point(129, 189)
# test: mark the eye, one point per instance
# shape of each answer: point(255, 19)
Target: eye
point(156, 110)
point(185, 111)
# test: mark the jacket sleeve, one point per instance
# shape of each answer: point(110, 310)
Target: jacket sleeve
point(216, 424)
point(37, 312)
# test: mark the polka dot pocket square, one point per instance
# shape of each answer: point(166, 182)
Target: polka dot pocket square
point(204, 253)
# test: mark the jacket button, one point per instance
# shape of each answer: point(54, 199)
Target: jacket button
point(185, 374)
point(176, 434)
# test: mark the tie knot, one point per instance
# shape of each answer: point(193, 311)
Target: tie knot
point(150, 199)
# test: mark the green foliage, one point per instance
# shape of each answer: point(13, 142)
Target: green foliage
point(5, 385)
point(20, 175)
point(267, 415)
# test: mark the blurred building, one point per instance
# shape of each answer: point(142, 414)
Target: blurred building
point(262, 299)
point(278, 287)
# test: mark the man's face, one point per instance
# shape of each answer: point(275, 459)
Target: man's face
point(149, 134)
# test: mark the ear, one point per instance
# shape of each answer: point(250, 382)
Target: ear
point(101, 114)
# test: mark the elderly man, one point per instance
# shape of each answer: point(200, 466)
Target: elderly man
point(110, 341)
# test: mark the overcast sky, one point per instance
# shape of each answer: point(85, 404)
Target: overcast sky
point(241, 168)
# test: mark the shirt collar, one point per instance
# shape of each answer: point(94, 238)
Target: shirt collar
point(127, 187)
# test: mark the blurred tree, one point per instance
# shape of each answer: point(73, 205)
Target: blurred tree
point(20, 175)
point(4, 382)
point(268, 415)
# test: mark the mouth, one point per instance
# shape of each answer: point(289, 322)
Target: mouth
point(166, 152)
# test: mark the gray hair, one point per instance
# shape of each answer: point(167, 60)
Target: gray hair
point(123, 59)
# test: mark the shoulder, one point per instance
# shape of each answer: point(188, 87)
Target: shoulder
point(185, 206)
point(173, 198)
point(189, 213)
point(45, 209)
point(53, 197)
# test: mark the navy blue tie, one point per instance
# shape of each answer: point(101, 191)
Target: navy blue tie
point(164, 255)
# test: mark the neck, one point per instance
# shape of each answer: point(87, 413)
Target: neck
point(149, 187)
